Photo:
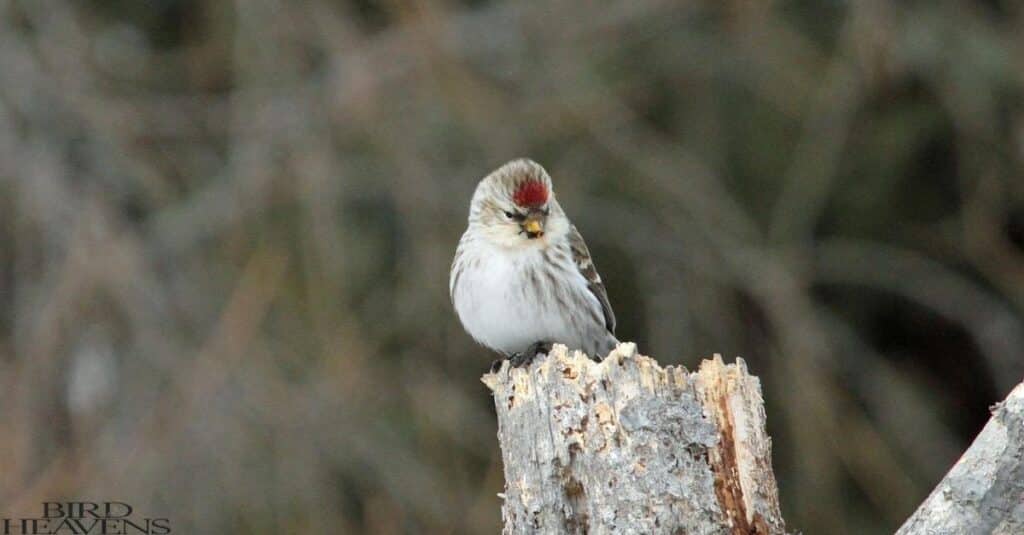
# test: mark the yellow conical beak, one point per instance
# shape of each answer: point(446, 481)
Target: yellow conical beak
point(533, 226)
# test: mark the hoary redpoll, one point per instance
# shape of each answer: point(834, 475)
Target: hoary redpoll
point(522, 277)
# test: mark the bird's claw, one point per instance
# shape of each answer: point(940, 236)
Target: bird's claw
point(539, 348)
point(521, 360)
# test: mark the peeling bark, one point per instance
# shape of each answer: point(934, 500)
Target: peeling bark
point(625, 446)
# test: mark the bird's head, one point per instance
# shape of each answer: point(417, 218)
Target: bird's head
point(515, 206)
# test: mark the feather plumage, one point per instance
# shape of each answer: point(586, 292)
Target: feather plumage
point(511, 290)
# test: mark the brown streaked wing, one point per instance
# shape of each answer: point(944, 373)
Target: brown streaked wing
point(581, 255)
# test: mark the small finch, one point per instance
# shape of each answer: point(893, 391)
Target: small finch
point(522, 278)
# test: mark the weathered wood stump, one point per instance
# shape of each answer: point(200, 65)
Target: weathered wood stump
point(626, 446)
point(984, 492)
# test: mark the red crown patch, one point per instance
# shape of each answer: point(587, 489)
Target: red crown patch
point(531, 193)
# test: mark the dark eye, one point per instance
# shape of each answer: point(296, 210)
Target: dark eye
point(546, 212)
point(515, 215)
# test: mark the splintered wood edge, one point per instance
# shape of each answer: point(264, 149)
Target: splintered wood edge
point(744, 481)
point(745, 485)
point(573, 363)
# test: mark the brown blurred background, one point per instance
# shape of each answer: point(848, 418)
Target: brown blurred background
point(226, 229)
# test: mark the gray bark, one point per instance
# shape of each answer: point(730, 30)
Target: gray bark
point(984, 491)
point(625, 446)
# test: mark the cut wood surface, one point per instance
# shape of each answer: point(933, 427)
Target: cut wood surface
point(626, 446)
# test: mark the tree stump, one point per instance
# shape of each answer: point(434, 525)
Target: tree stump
point(625, 446)
point(984, 491)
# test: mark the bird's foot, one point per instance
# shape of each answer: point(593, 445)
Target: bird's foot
point(540, 348)
point(515, 359)
point(521, 360)
point(524, 359)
